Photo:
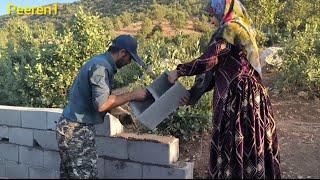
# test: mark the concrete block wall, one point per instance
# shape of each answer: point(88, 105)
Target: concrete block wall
point(28, 148)
point(165, 99)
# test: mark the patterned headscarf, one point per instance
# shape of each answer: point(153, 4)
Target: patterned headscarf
point(218, 7)
point(236, 28)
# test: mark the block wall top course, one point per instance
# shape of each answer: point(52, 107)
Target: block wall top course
point(59, 110)
point(178, 164)
point(148, 138)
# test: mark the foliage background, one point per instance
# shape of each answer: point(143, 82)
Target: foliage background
point(40, 56)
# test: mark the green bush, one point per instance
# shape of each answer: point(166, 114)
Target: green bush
point(20, 50)
point(202, 24)
point(45, 67)
point(301, 67)
point(146, 28)
point(117, 23)
point(108, 24)
point(158, 12)
point(178, 19)
point(299, 28)
point(126, 18)
point(265, 15)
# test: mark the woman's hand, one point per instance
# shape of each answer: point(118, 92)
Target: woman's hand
point(173, 76)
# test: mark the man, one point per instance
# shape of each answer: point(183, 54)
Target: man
point(89, 100)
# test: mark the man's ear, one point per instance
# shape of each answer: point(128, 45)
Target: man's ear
point(122, 52)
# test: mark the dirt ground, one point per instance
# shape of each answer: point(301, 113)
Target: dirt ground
point(298, 127)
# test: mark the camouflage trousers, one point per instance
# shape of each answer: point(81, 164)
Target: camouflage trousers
point(77, 150)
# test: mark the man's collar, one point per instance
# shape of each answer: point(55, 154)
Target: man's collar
point(111, 61)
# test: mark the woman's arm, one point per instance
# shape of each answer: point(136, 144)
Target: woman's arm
point(202, 64)
point(206, 61)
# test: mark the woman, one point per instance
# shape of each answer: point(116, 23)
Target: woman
point(244, 139)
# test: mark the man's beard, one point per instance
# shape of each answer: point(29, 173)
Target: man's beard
point(120, 63)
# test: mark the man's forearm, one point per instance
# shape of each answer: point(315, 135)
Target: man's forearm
point(115, 101)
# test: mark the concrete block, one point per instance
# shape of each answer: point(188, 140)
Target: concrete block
point(21, 136)
point(116, 169)
point(16, 170)
point(9, 152)
point(2, 168)
point(112, 147)
point(52, 118)
point(34, 119)
point(100, 164)
point(182, 170)
point(159, 86)
point(138, 108)
point(51, 159)
point(46, 139)
point(42, 173)
point(31, 156)
point(110, 127)
point(10, 117)
point(165, 99)
point(152, 148)
point(4, 132)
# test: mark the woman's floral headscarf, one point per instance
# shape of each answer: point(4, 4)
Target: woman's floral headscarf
point(236, 27)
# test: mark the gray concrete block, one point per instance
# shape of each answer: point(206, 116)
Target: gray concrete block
point(152, 148)
point(31, 156)
point(52, 118)
point(4, 132)
point(2, 168)
point(46, 139)
point(138, 108)
point(160, 85)
point(154, 153)
point(166, 97)
point(16, 170)
point(9, 152)
point(117, 169)
point(112, 147)
point(100, 164)
point(182, 170)
point(21, 136)
point(10, 117)
point(51, 159)
point(34, 119)
point(42, 173)
point(163, 107)
point(110, 127)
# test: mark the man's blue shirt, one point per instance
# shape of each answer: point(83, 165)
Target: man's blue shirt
point(90, 89)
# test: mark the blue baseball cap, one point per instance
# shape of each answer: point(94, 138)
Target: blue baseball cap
point(130, 44)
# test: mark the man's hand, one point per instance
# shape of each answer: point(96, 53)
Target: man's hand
point(173, 76)
point(184, 101)
point(140, 95)
point(118, 100)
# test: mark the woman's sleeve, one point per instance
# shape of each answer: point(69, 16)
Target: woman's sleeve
point(206, 61)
